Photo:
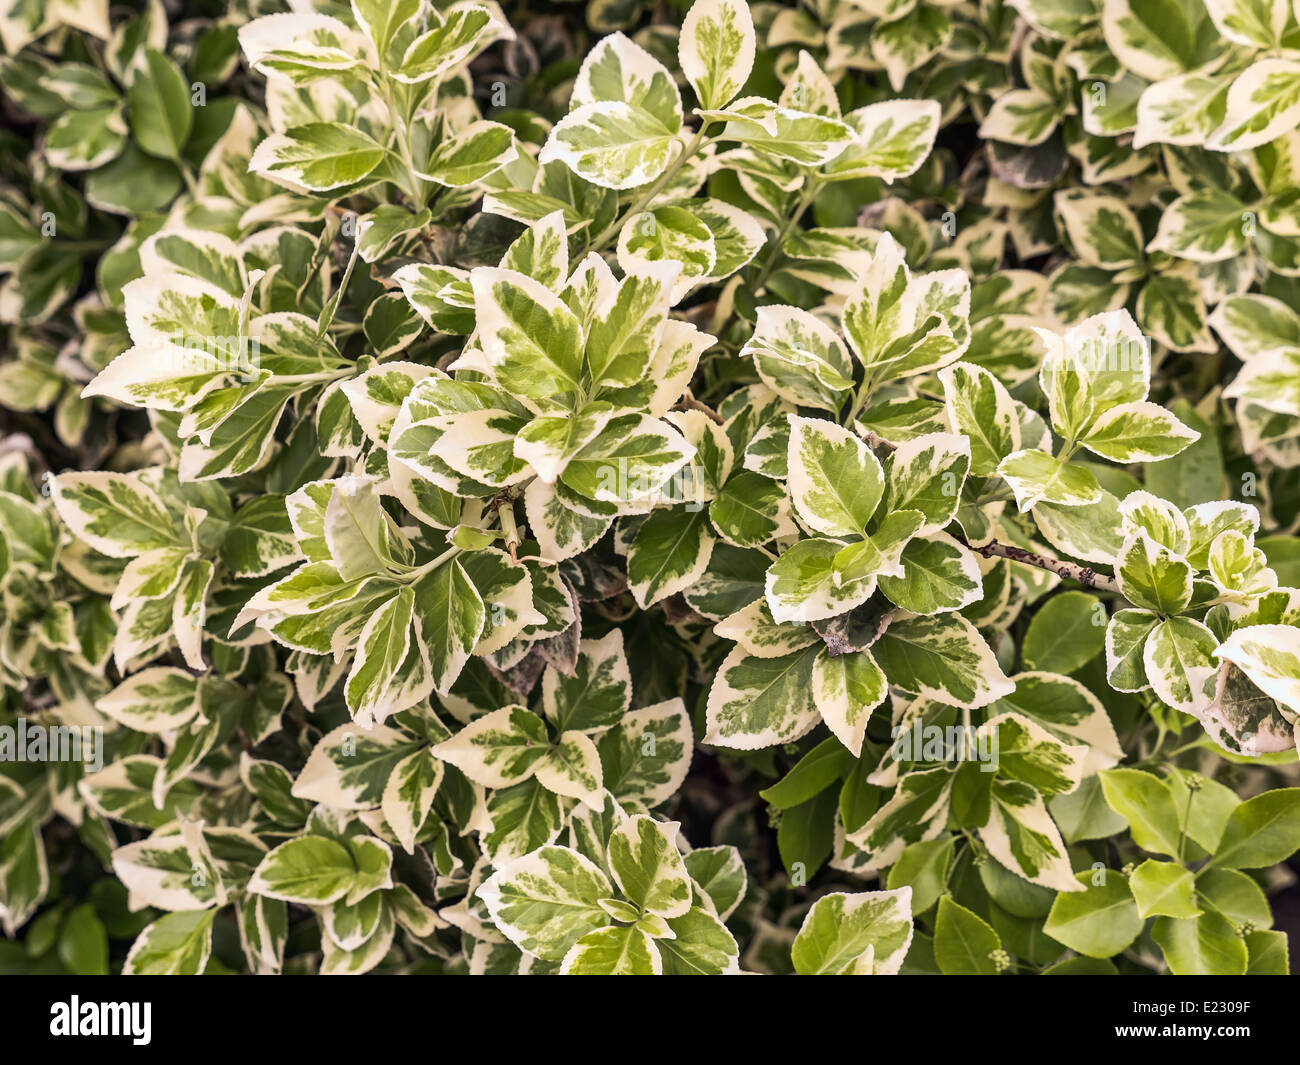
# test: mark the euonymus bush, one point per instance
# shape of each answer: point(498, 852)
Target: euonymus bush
point(595, 489)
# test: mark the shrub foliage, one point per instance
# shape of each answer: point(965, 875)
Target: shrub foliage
point(601, 489)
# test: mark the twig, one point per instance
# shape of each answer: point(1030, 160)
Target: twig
point(1085, 575)
point(504, 505)
point(643, 201)
point(689, 402)
point(876, 440)
point(774, 254)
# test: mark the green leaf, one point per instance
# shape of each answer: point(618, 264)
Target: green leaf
point(1038, 477)
point(1262, 103)
point(1164, 889)
point(979, 407)
point(378, 230)
point(904, 44)
point(646, 756)
point(177, 944)
point(451, 41)
point(631, 459)
point(939, 575)
point(800, 358)
point(374, 861)
point(1268, 954)
point(159, 699)
point(84, 140)
point(497, 749)
point(1252, 324)
point(784, 132)
point(806, 834)
point(835, 481)
point(304, 48)
point(541, 252)
point(927, 473)
point(572, 768)
point(892, 140)
point(1147, 804)
point(1100, 921)
point(923, 867)
point(470, 155)
point(123, 791)
point(1255, 23)
point(759, 702)
point(669, 553)
point(737, 234)
point(614, 145)
point(1200, 946)
point(1152, 576)
point(260, 538)
point(941, 657)
point(117, 514)
point(531, 339)
point(408, 796)
point(1179, 664)
point(1138, 432)
point(1172, 309)
point(626, 111)
point(648, 868)
point(159, 98)
point(1020, 833)
point(450, 616)
point(1029, 753)
point(864, 933)
point(813, 773)
point(547, 901)
point(964, 945)
point(318, 156)
point(751, 510)
point(1261, 831)
point(625, 332)
point(598, 692)
point(702, 946)
point(1068, 710)
point(1270, 656)
point(807, 583)
point(524, 817)
point(1101, 228)
point(383, 21)
point(720, 874)
point(1065, 634)
point(1203, 226)
point(716, 50)
point(374, 684)
point(1182, 110)
point(669, 235)
point(83, 942)
point(1126, 638)
point(846, 689)
point(626, 951)
point(312, 870)
point(1021, 116)
point(349, 767)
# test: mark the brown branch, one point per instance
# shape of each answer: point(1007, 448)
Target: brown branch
point(689, 402)
point(876, 440)
point(1085, 575)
